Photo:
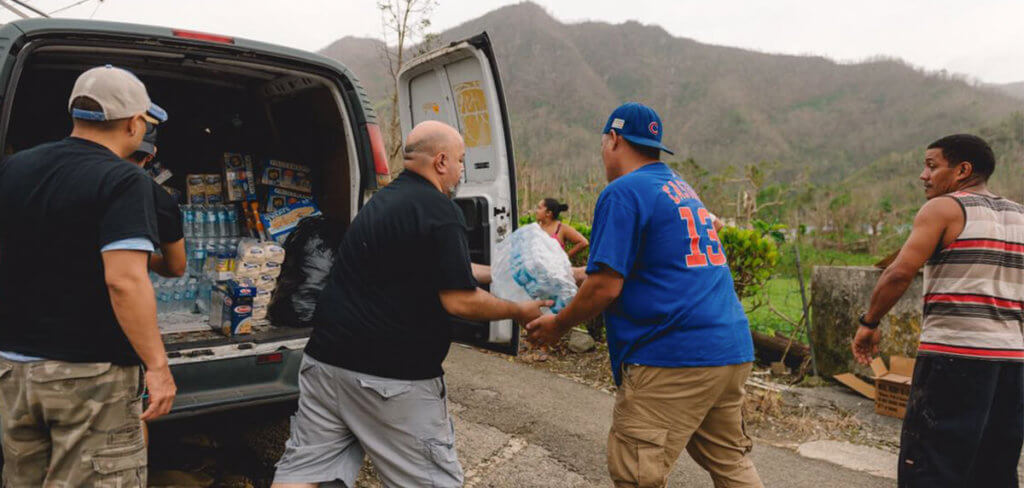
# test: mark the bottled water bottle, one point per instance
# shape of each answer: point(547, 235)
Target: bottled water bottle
point(163, 297)
point(177, 295)
point(189, 218)
point(196, 256)
point(233, 220)
point(191, 291)
point(210, 222)
point(197, 221)
point(223, 221)
point(210, 261)
point(203, 295)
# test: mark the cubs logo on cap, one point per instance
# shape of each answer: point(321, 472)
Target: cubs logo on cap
point(638, 124)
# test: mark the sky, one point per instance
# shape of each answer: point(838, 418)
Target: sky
point(982, 39)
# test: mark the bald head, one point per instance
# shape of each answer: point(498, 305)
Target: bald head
point(429, 138)
point(435, 151)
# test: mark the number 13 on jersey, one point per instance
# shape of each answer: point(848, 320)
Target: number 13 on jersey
point(698, 258)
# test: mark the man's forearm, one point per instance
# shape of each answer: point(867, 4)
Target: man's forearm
point(478, 305)
point(135, 308)
point(588, 303)
point(890, 287)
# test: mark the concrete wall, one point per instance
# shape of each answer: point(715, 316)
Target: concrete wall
point(839, 294)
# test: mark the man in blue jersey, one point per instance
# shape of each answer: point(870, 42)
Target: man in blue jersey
point(678, 339)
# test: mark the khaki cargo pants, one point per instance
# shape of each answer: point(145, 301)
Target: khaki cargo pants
point(659, 411)
point(71, 424)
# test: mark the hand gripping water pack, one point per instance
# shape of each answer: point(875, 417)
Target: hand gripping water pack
point(530, 265)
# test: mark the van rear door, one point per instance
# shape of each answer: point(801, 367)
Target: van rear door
point(459, 85)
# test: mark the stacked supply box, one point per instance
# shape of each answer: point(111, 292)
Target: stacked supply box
point(259, 265)
point(204, 189)
point(239, 177)
point(231, 306)
point(283, 221)
point(289, 176)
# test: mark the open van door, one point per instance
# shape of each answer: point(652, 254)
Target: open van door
point(459, 85)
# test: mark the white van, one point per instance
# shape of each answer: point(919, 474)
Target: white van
point(226, 94)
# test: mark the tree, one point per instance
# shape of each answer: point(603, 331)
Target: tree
point(402, 23)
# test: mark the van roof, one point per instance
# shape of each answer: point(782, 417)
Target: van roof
point(56, 27)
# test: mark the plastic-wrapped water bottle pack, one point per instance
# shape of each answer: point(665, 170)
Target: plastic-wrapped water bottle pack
point(530, 265)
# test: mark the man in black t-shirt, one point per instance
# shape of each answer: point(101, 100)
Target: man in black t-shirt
point(77, 311)
point(371, 380)
point(171, 260)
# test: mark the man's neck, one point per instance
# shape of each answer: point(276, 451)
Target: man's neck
point(101, 138)
point(433, 179)
point(975, 187)
point(630, 166)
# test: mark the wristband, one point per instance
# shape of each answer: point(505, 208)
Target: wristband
point(865, 323)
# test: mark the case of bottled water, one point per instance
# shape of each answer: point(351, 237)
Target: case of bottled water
point(530, 265)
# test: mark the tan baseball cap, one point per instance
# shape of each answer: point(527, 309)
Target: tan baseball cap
point(119, 93)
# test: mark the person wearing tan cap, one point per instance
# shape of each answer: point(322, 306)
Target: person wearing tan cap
point(77, 311)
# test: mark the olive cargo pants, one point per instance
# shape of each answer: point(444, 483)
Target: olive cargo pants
point(71, 424)
point(660, 411)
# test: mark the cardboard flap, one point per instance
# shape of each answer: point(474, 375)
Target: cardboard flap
point(857, 384)
point(878, 367)
point(901, 366)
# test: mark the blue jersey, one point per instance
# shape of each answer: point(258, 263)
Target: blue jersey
point(678, 307)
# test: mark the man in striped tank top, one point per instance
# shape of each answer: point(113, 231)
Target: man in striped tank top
point(965, 417)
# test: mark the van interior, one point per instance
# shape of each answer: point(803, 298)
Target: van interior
point(215, 105)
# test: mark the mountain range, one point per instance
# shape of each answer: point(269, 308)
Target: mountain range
point(720, 105)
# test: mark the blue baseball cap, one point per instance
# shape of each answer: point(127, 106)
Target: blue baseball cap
point(148, 144)
point(637, 123)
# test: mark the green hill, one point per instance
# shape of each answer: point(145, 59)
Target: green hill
point(721, 106)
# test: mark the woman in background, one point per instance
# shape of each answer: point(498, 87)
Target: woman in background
point(547, 213)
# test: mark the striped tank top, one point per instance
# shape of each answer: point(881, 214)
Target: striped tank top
point(974, 287)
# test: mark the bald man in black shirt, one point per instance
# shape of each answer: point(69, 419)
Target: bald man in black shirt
point(371, 381)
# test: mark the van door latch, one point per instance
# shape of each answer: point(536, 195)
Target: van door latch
point(499, 210)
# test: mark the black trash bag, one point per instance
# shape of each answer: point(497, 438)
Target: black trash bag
point(309, 256)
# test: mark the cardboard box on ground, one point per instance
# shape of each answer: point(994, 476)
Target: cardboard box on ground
point(892, 385)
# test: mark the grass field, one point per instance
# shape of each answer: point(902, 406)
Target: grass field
point(783, 290)
point(784, 296)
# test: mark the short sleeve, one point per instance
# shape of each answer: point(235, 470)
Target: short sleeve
point(615, 236)
point(130, 208)
point(454, 271)
point(168, 215)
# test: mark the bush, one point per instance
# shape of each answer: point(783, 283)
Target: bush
point(752, 259)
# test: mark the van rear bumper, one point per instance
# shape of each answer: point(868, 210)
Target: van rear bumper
point(225, 384)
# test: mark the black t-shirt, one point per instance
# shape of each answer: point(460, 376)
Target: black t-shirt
point(168, 216)
point(60, 203)
point(380, 312)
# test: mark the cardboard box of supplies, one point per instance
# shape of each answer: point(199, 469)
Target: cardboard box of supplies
point(231, 308)
point(892, 385)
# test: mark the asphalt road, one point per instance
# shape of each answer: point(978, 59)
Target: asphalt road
point(518, 426)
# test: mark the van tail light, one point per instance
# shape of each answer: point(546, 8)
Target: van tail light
point(380, 155)
point(202, 36)
point(272, 358)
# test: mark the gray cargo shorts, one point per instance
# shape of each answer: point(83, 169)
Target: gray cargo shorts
point(403, 425)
